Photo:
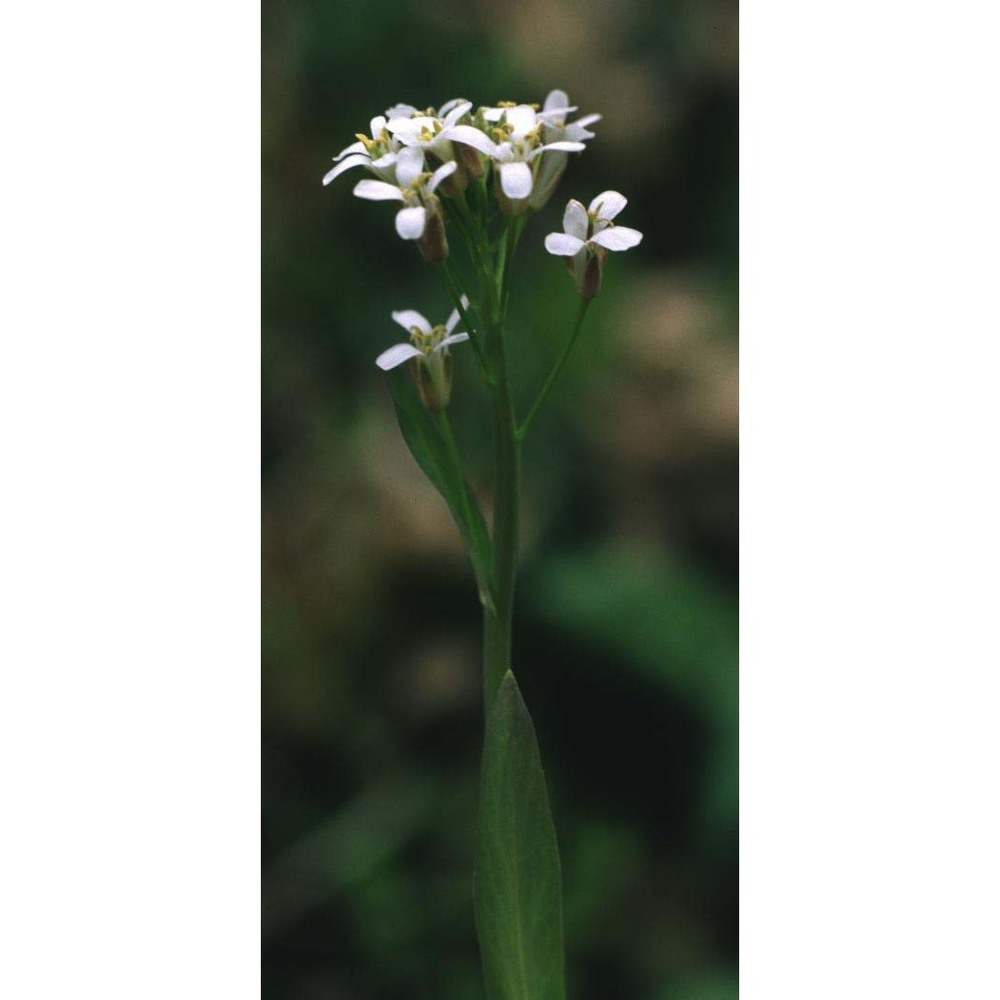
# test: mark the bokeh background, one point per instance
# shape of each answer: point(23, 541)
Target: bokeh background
point(626, 632)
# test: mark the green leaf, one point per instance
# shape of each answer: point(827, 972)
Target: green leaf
point(518, 884)
point(430, 449)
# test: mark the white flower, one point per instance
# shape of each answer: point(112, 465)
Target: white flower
point(436, 133)
point(425, 340)
point(593, 226)
point(553, 119)
point(377, 153)
point(589, 234)
point(428, 349)
point(413, 187)
point(522, 145)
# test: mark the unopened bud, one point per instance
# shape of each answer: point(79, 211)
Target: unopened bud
point(587, 268)
point(434, 242)
point(432, 373)
point(549, 173)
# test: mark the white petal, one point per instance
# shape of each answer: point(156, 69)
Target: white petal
point(575, 219)
point(566, 147)
point(442, 172)
point(617, 238)
point(410, 318)
point(355, 147)
point(563, 245)
point(587, 120)
point(522, 118)
point(396, 355)
point(472, 137)
point(398, 111)
point(409, 165)
point(402, 127)
point(377, 191)
point(455, 338)
point(351, 161)
point(384, 162)
point(556, 99)
point(556, 117)
point(576, 133)
point(454, 113)
point(376, 126)
point(493, 114)
point(515, 179)
point(410, 222)
point(453, 318)
point(608, 204)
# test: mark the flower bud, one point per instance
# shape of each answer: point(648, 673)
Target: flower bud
point(549, 174)
point(587, 268)
point(432, 373)
point(469, 160)
point(433, 243)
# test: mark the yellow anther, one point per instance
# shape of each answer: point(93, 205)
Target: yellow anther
point(426, 134)
point(364, 140)
point(506, 104)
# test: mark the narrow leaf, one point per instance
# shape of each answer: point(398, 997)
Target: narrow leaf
point(518, 885)
point(428, 448)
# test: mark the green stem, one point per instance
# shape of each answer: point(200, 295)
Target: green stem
point(554, 374)
point(473, 329)
point(497, 624)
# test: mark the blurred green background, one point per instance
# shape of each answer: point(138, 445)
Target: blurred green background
point(626, 635)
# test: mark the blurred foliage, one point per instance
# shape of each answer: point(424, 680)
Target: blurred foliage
point(626, 631)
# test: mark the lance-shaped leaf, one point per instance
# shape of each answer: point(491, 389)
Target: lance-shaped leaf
point(518, 885)
point(430, 450)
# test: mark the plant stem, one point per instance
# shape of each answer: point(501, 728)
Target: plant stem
point(554, 374)
point(497, 624)
point(506, 518)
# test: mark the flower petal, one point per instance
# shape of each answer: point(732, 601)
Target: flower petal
point(396, 355)
point(409, 165)
point(556, 99)
point(471, 136)
point(410, 318)
point(376, 125)
point(575, 219)
point(522, 118)
point(555, 116)
point(608, 204)
point(456, 111)
point(398, 111)
point(587, 120)
point(453, 318)
point(515, 179)
point(377, 191)
point(566, 147)
point(355, 147)
point(617, 238)
point(410, 222)
point(352, 161)
point(563, 245)
point(455, 338)
point(442, 172)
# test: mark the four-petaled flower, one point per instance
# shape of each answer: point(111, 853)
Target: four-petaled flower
point(589, 234)
point(428, 349)
point(519, 132)
point(556, 129)
point(414, 187)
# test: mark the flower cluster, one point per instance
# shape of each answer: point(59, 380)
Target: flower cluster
point(411, 151)
point(464, 167)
